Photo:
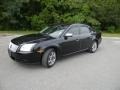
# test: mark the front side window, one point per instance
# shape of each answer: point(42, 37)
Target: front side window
point(74, 30)
point(84, 30)
point(54, 31)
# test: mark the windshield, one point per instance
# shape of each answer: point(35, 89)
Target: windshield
point(54, 31)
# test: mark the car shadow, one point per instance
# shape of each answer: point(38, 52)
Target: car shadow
point(30, 65)
point(72, 56)
point(60, 60)
point(77, 55)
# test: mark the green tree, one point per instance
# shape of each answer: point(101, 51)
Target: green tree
point(35, 14)
point(107, 12)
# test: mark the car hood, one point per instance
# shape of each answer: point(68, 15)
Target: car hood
point(31, 38)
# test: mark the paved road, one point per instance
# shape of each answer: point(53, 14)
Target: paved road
point(82, 71)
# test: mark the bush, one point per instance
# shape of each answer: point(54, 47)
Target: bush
point(111, 29)
point(37, 22)
point(117, 30)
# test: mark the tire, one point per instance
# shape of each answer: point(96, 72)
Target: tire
point(93, 47)
point(49, 58)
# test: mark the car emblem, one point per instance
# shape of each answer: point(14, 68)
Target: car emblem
point(10, 46)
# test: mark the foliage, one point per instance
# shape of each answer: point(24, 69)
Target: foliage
point(111, 29)
point(35, 14)
point(107, 12)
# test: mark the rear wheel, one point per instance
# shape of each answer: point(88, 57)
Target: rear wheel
point(49, 58)
point(93, 47)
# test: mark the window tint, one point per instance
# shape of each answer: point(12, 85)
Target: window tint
point(54, 31)
point(74, 30)
point(84, 30)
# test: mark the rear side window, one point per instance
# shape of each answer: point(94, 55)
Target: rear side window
point(74, 30)
point(84, 30)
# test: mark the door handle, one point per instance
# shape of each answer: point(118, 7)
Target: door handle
point(90, 37)
point(77, 40)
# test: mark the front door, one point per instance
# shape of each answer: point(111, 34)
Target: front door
point(71, 44)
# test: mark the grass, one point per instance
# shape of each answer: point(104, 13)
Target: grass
point(105, 34)
point(18, 32)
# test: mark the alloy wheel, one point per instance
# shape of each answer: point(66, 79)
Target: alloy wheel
point(94, 47)
point(51, 58)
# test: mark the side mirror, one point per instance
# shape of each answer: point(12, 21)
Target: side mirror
point(68, 35)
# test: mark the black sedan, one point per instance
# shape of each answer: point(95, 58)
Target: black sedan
point(53, 42)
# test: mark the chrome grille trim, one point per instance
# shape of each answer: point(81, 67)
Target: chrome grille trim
point(13, 47)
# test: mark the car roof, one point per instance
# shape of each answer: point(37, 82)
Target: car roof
point(78, 24)
point(67, 25)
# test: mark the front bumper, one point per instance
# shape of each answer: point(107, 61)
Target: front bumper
point(26, 58)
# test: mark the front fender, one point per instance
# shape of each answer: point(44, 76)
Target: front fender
point(46, 47)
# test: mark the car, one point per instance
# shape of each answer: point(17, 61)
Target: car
point(54, 42)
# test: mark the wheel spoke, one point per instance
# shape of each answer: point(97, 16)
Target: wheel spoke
point(52, 58)
point(94, 47)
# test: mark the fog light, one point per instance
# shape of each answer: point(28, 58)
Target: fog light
point(40, 50)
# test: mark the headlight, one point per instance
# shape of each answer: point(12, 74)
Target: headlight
point(27, 47)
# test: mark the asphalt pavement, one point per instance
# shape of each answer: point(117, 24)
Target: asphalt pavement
point(81, 71)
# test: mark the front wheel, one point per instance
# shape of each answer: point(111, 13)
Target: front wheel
point(93, 47)
point(49, 58)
